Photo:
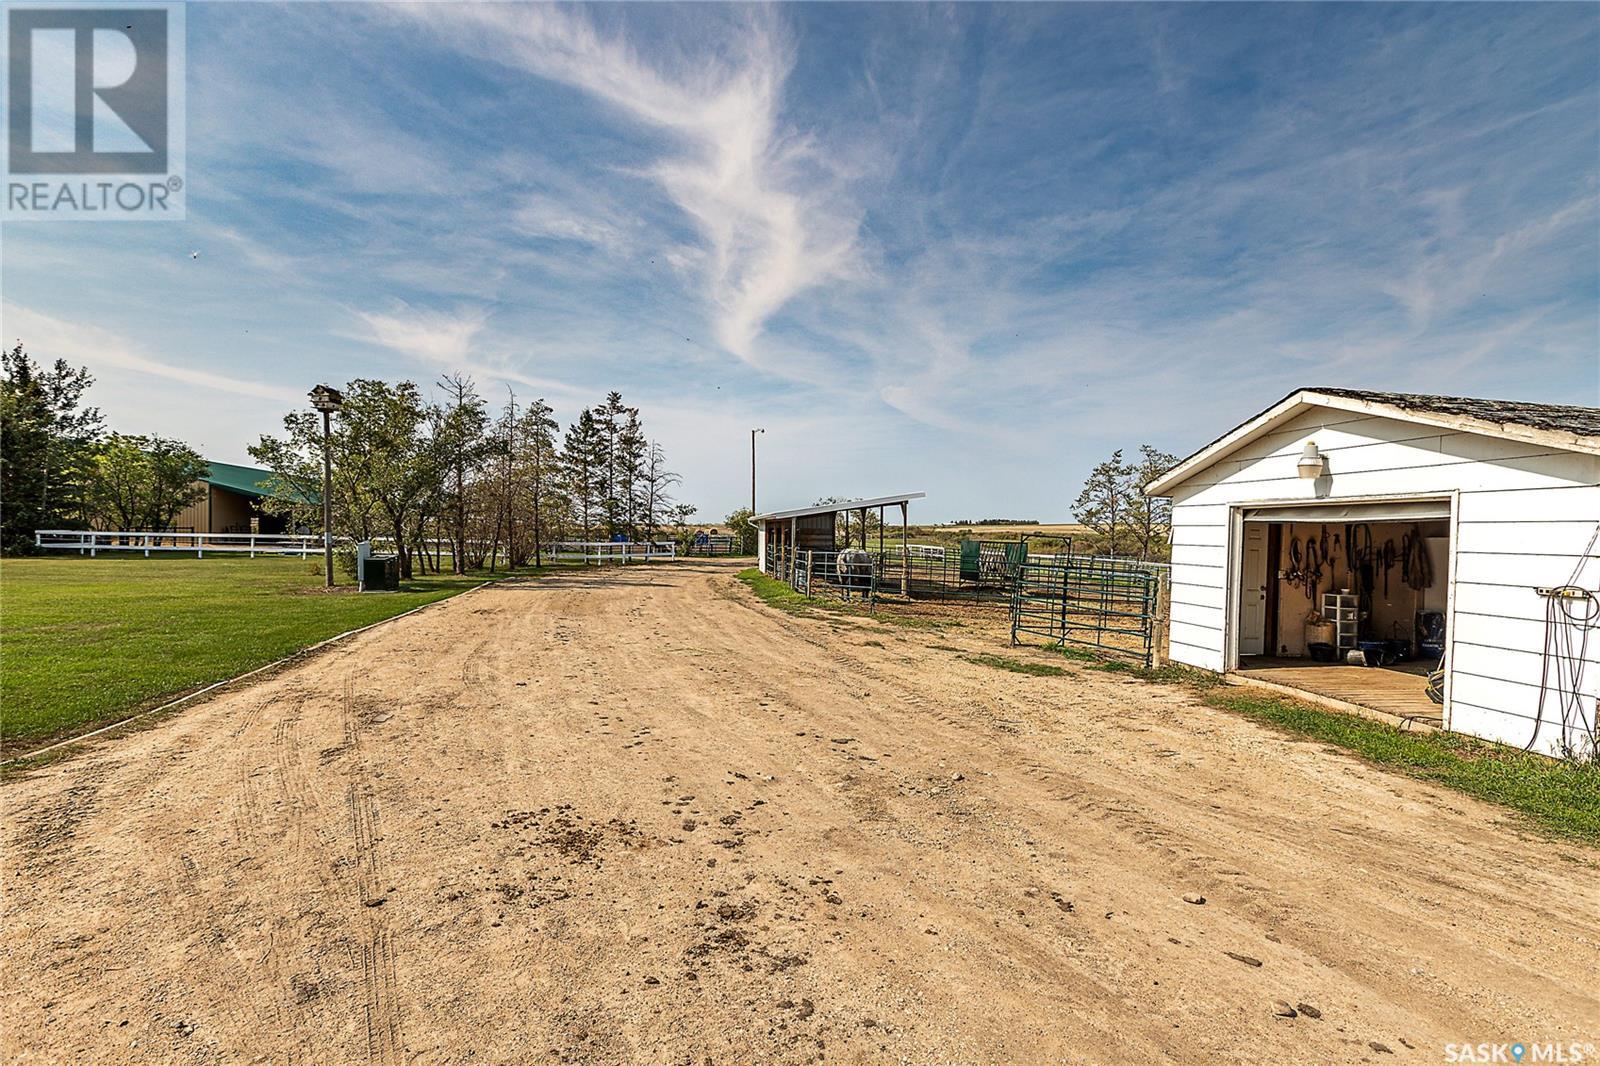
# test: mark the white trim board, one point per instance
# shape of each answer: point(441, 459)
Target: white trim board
point(1306, 399)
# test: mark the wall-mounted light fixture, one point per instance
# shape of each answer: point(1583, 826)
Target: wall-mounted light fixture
point(1312, 464)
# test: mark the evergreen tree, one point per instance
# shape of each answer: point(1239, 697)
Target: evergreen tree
point(583, 459)
point(632, 457)
point(542, 472)
point(462, 448)
point(46, 438)
point(506, 491)
point(610, 421)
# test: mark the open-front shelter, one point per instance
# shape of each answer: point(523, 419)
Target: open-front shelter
point(781, 534)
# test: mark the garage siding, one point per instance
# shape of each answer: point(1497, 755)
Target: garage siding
point(1525, 515)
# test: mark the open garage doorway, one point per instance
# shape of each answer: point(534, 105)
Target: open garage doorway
point(1348, 602)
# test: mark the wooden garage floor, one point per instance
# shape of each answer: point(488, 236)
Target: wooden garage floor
point(1395, 690)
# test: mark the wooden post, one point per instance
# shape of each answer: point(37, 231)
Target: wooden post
point(1163, 620)
point(863, 511)
point(882, 562)
point(794, 540)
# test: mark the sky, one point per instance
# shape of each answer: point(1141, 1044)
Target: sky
point(967, 250)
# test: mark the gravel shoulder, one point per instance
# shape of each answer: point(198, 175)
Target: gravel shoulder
point(636, 816)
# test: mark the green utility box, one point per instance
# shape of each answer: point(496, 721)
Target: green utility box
point(380, 573)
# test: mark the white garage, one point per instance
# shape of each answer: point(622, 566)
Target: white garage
point(1348, 544)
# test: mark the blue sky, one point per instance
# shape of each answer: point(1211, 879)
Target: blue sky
point(967, 249)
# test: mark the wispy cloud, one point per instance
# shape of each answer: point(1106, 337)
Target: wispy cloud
point(923, 241)
point(435, 337)
point(775, 220)
point(55, 338)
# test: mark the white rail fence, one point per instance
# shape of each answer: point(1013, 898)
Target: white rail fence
point(94, 541)
point(605, 551)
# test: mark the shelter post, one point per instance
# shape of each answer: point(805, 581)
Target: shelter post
point(905, 553)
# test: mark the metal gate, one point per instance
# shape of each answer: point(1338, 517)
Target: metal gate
point(992, 561)
point(848, 575)
point(1109, 607)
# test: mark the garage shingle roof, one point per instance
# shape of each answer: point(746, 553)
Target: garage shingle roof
point(1556, 417)
point(1570, 426)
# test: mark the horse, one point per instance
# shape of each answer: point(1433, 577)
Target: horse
point(853, 569)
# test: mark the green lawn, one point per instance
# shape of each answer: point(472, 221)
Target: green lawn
point(86, 642)
point(775, 593)
point(779, 594)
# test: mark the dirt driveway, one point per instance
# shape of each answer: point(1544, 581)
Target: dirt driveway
point(637, 816)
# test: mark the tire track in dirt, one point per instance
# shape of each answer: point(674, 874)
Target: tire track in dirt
point(636, 816)
point(379, 1006)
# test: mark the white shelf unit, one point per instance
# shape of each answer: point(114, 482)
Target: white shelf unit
point(1343, 609)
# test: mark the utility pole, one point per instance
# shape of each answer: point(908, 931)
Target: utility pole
point(753, 433)
point(327, 400)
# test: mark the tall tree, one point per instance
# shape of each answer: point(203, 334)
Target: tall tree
point(295, 485)
point(1150, 517)
point(655, 484)
point(46, 439)
point(583, 461)
point(541, 465)
point(1105, 501)
point(506, 475)
point(461, 447)
point(389, 454)
point(142, 483)
point(619, 447)
point(633, 455)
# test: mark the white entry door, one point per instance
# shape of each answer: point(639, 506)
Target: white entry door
point(1253, 591)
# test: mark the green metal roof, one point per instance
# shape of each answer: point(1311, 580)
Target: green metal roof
point(246, 480)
